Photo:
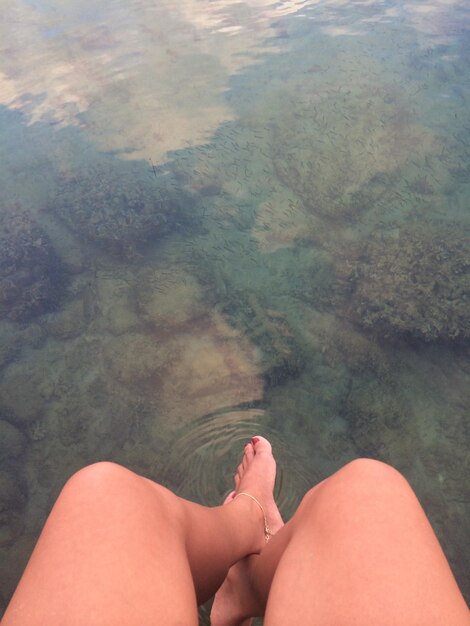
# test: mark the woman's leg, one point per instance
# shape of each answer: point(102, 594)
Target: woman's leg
point(359, 550)
point(118, 549)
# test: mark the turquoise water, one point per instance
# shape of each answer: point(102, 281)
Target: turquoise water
point(222, 218)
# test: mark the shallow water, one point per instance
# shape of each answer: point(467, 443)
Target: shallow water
point(221, 218)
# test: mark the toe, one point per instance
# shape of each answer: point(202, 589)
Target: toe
point(244, 462)
point(249, 453)
point(260, 444)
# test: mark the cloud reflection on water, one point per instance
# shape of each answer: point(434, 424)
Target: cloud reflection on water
point(139, 78)
point(142, 78)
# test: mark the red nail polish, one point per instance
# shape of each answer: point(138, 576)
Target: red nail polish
point(254, 440)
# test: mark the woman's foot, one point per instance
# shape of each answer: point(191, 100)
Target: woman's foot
point(235, 602)
point(256, 476)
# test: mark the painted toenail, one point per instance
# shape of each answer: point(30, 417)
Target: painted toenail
point(254, 440)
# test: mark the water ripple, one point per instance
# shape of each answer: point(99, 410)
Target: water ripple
point(206, 453)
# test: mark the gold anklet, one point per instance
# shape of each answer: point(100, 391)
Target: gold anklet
point(267, 531)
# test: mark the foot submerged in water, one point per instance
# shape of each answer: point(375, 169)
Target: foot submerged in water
point(235, 602)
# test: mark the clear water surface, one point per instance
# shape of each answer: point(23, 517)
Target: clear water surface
point(219, 218)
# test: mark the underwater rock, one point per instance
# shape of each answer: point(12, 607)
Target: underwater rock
point(74, 417)
point(9, 342)
point(416, 284)
point(379, 424)
point(24, 391)
point(342, 343)
point(341, 157)
point(170, 297)
point(117, 206)
point(272, 230)
point(31, 335)
point(135, 358)
point(10, 496)
point(210, 366)
point(269, 330)
point(67, 323)
point(31, 276)
point(109, 301)
point(12, 499)
point(12, 441)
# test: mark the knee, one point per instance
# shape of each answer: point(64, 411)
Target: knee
point(364, 476)
point(370, 471)
point(97, 477)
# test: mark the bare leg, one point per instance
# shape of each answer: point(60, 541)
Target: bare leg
point(358, 551)
point(119, 549)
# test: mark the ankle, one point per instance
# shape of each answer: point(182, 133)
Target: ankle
point(250, 520)
point(268, 533)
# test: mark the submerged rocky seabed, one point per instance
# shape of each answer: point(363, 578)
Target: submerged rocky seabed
point(305, 274)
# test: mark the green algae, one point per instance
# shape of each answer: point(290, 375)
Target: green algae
point(31, 276)
point(415, 283)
